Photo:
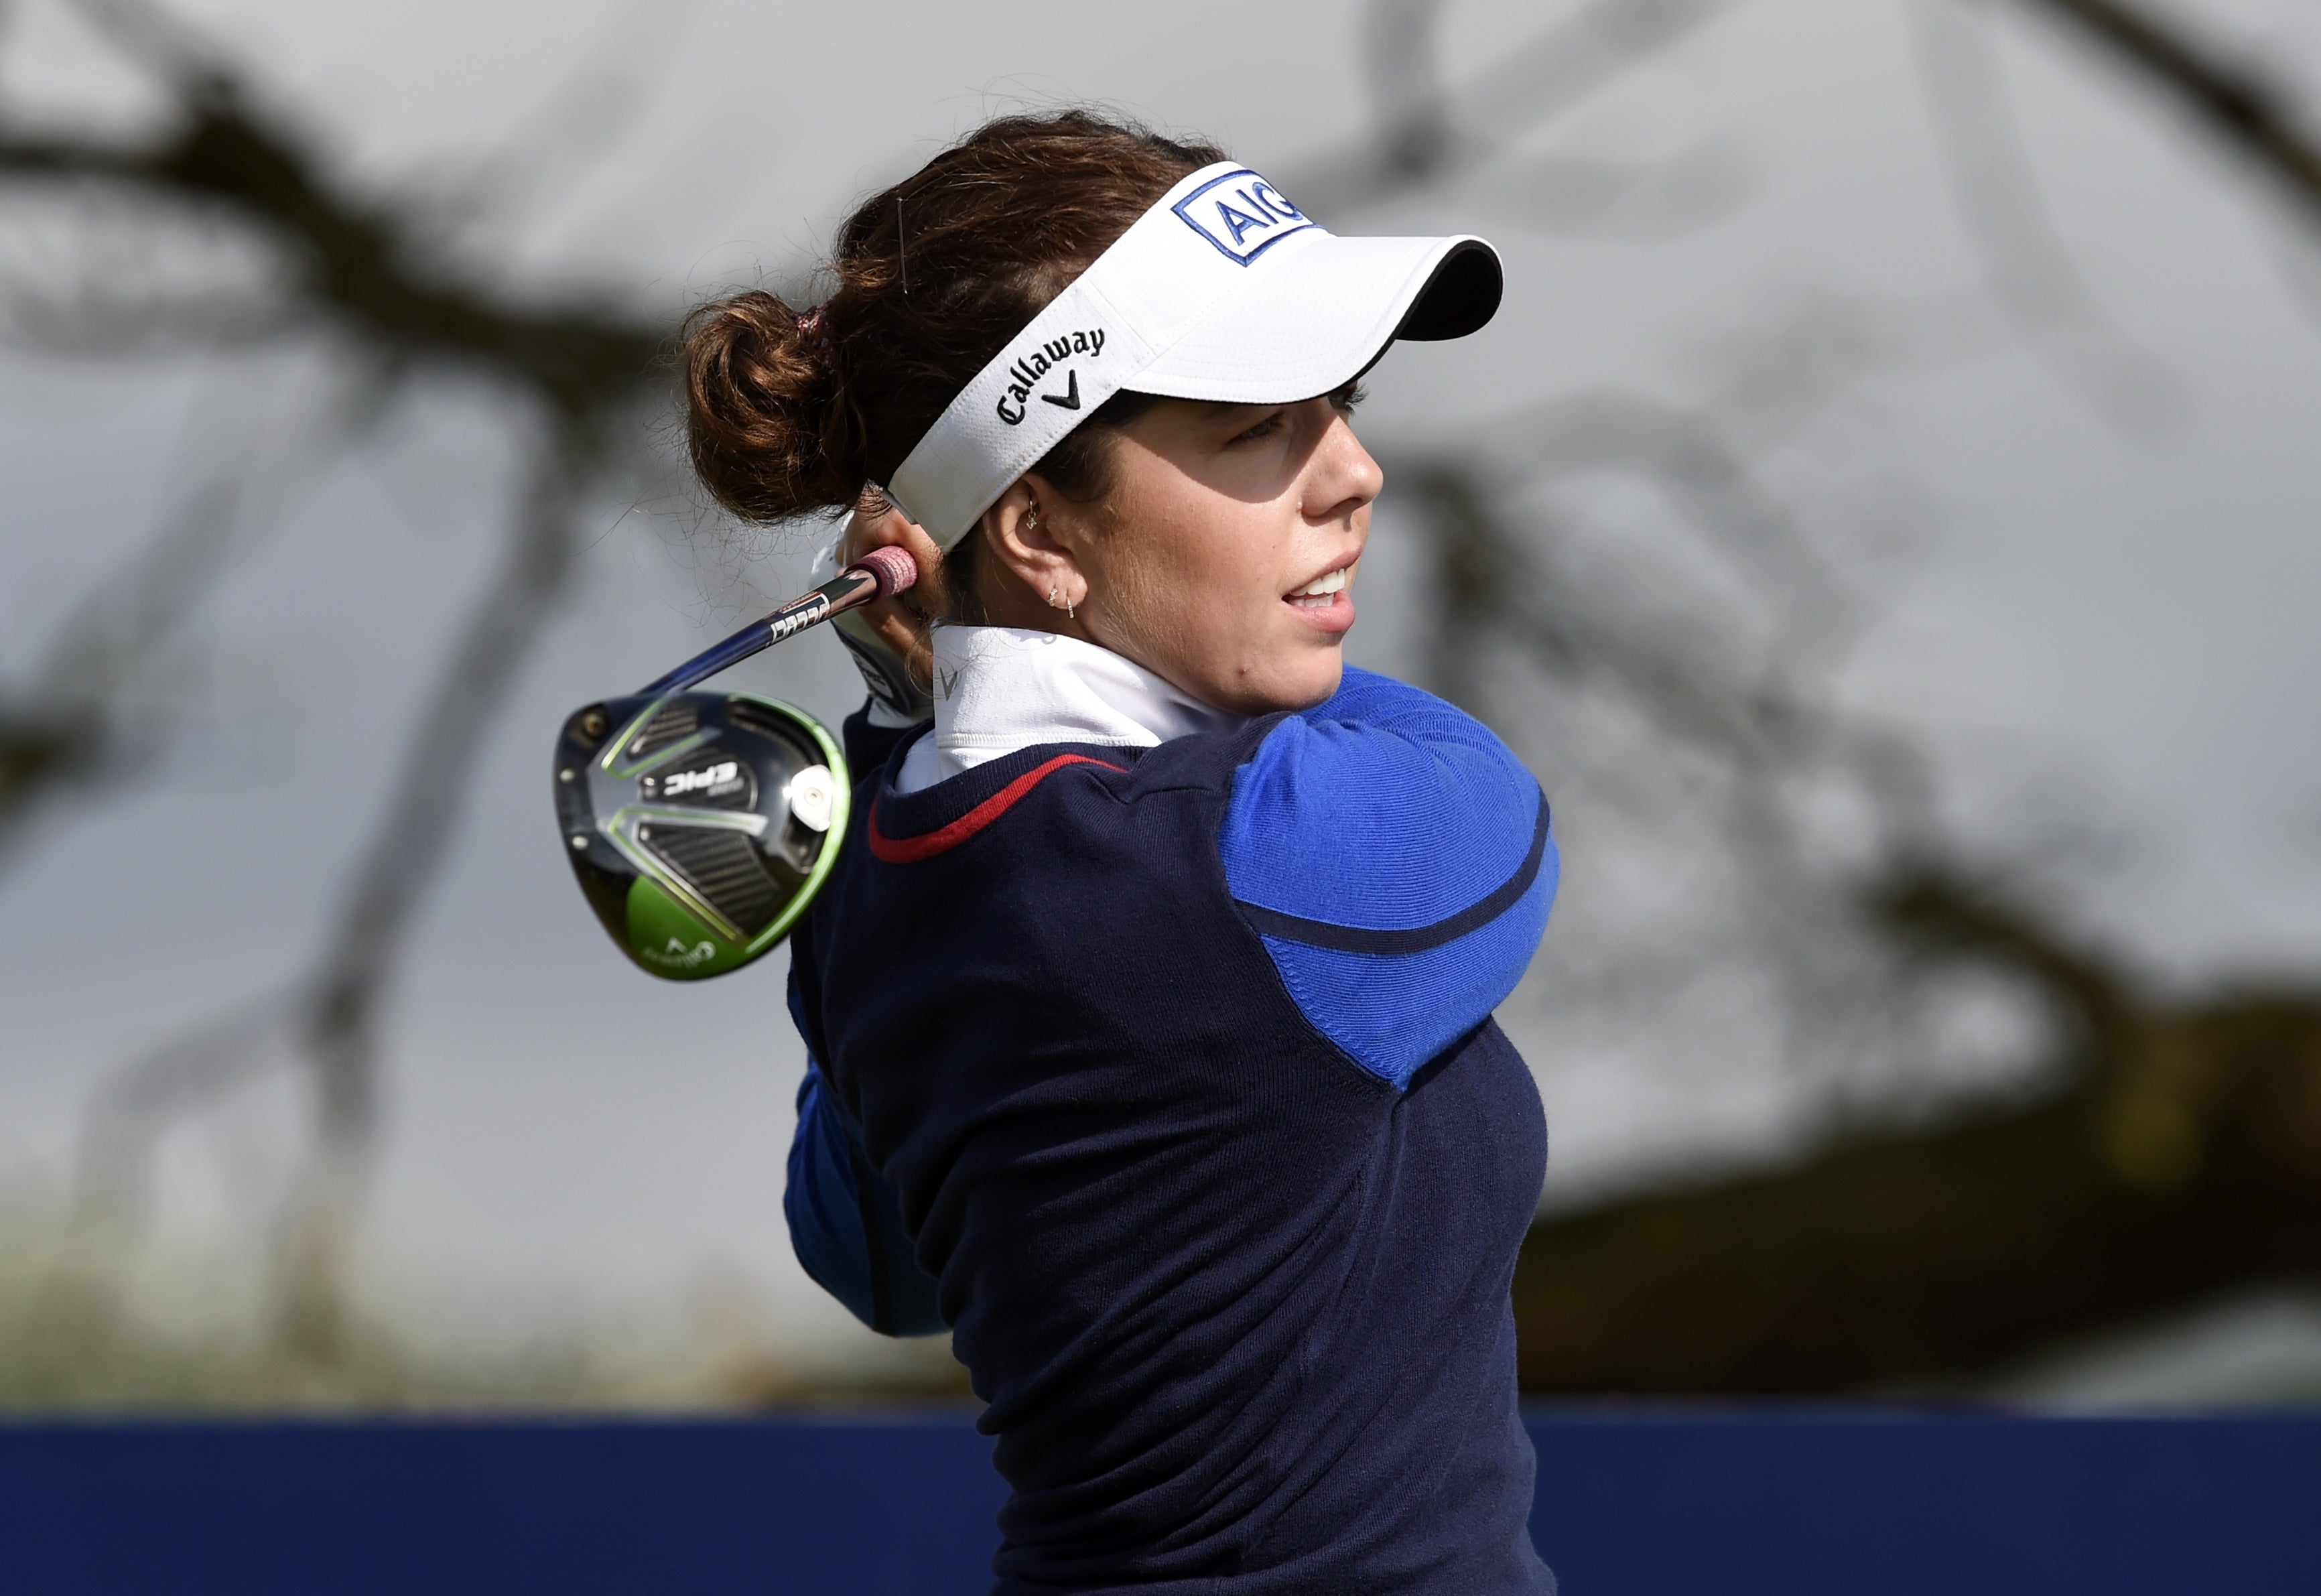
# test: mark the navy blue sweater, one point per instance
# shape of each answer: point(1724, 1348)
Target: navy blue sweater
point(1167, 1080)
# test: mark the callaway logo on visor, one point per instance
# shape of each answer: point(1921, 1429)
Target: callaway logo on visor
point(1221, 291)
point(1028, 368)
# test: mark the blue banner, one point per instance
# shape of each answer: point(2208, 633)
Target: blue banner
point(1651, 1504)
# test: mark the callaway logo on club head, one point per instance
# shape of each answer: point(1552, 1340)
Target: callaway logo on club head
point(1242, 213)
point(680, 956)
point(1028, 369)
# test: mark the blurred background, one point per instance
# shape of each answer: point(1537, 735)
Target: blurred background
point(1883, 515)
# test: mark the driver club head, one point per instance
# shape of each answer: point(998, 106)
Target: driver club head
point(700, 824)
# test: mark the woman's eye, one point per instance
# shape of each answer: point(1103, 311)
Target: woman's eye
point(1344, 400)
point(1263, 429)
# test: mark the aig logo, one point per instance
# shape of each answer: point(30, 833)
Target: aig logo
point(1241, 215)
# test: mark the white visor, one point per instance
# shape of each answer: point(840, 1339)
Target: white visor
point(1224, 291)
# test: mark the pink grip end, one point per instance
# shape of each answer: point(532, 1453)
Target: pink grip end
point(893, 568)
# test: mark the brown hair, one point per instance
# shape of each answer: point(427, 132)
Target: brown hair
point(935, 275)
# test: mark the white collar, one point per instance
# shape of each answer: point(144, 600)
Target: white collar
point(999, 689)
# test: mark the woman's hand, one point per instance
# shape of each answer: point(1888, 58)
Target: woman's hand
point(887, 632)
point(901, 621)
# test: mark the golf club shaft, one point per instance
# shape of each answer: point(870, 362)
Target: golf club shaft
point(881, 573)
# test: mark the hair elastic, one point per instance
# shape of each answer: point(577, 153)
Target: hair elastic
point(813, 328)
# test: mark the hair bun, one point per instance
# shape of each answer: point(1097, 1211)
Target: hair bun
point(761, 386)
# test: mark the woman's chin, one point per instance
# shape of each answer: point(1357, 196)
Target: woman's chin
point(1298, 681)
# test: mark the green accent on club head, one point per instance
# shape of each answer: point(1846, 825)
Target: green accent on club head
point(670, 940)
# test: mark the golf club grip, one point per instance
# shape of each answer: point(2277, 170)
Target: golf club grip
point(881, 573)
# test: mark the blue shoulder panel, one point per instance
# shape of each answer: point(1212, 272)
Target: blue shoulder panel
point(846, 1224)
point(1395, 860)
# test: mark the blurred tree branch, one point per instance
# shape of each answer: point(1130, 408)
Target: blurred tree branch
point(2247, 111)
point(339, 1011)
point(1431, 133)
point(2174, 1154)
point(363, 268)
point(64, 728)
point(362, 271)
point(2029, 271)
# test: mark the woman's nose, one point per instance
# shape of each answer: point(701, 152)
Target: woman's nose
point(1342, 476)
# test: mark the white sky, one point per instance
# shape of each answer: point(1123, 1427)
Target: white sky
point(2117, 628)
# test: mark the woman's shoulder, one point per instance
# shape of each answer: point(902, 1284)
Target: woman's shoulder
point(1395, 857)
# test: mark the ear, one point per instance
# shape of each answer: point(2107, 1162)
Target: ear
point(1036, 534)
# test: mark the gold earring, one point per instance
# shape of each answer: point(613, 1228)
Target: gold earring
point(1031, 514)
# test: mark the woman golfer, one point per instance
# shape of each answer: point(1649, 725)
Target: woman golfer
point(1149, 1007)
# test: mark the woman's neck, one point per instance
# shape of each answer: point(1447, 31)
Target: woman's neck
point(999, 689)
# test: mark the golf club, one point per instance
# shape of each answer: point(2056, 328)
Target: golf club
point(700, 825)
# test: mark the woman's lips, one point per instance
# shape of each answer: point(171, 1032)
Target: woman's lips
point(1325, 603)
